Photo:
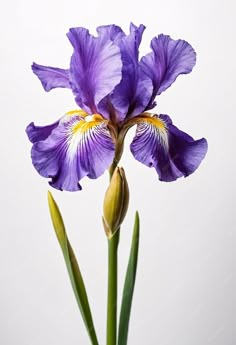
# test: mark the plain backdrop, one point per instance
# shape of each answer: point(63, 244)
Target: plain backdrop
point(185, 288)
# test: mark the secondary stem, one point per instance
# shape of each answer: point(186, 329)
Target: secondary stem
point(112, 289)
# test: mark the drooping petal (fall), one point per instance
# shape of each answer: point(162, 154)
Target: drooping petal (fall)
point(95, 68)
point(167, 61)
point(159, 144)
point(52, 77)
point(38, 133)
point(78, 146)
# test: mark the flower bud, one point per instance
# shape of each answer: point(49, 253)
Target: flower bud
point(115, 202)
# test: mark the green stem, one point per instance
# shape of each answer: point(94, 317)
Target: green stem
point(118, 153)
point(112, 289)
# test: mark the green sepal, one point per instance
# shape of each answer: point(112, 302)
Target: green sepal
point(129, 285)
point(73, 268)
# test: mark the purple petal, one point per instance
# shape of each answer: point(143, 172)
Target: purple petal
point(132, 95)
point(52, 77)
point(111, 32)
point(142, 96)
point(159, 144)
point(167, 61)
point(123, 97)
point(95, 68)
point(74, 149)
point(38, 133)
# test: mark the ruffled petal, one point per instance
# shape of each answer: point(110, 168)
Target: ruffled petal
point(111, 32)
point(131, 96)
point(37, 133)
point(167, 61)
point(159, 144)
point(78, 146)
point(123, 97)
point(95, 68)
point(142, 96)
point(52, 77)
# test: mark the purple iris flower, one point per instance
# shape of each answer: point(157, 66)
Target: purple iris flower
point(114, 90)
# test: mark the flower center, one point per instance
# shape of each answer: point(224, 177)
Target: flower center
point(94, 117)
point(84, 122)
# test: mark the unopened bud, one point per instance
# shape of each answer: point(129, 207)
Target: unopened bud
point(115, 202)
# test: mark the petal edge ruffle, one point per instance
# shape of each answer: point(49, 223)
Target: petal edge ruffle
point(51, 77)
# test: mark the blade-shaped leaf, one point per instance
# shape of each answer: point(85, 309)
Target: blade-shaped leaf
point(129, 286)
point(73, 268)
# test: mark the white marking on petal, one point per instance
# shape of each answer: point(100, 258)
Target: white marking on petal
point(155, 127)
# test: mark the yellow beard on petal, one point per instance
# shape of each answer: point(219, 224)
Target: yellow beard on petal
point(78, 112)
point(88, 122)
point(156, 122)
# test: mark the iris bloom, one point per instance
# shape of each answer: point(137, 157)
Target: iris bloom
point(114, 90)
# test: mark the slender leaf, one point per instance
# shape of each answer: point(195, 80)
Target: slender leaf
point(129, 286)
point(73, 268)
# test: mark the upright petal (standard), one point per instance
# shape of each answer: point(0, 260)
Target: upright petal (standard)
point(131, 96)
point(167, 61)
point(95, 68)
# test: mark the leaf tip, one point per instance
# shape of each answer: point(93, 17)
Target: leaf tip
point(50, 197)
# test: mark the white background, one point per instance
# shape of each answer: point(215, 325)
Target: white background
point(185, 289)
